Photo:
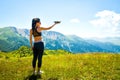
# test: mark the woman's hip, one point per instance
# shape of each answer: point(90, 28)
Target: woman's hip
point(39, 45)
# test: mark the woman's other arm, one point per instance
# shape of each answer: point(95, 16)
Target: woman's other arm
point(31, 38)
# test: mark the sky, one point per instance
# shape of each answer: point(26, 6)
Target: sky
point(84, 18)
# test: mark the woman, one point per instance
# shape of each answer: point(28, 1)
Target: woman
point(38, 48)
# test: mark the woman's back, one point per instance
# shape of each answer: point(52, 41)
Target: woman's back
point(37, 37)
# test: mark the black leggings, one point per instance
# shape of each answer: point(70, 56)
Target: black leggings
point(37, 54)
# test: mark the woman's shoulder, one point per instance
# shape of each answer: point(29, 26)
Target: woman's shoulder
point(30, 30)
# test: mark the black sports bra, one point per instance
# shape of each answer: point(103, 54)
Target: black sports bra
point(36, 33)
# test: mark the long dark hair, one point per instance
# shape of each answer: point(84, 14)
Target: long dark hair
point(34, 21)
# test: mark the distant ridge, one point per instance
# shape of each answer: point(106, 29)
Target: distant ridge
point(11, 38)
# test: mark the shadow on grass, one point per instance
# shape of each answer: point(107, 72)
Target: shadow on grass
point(33, 77)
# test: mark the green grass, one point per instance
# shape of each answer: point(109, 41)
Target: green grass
point(94, 66)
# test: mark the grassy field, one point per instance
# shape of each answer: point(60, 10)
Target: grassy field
point(94, 66)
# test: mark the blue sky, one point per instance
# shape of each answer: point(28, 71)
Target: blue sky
point(84, 18)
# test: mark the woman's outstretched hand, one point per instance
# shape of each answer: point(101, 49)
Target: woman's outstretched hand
point(57, 22)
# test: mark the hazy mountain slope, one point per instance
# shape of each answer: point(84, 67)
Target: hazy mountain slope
point(12, 38)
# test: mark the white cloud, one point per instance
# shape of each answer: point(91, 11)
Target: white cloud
point(108, 22)
point(75, 20)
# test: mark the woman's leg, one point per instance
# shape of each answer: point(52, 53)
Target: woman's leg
point(34, 58)
point(41, 50)
point(40, 59)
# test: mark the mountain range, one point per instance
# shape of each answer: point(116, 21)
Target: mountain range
point(11, 38)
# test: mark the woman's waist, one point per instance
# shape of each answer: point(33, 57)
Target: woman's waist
point(37, 41)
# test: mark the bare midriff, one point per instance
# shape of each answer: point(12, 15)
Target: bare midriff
point(39, 38)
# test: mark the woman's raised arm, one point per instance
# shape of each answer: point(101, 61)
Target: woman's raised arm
point(43, 28)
